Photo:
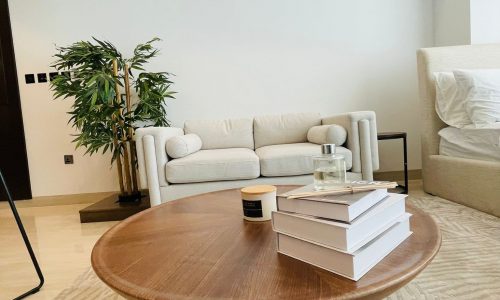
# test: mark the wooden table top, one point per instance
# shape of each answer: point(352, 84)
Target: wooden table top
point(200, 247)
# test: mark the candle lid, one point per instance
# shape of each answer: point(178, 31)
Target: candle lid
point(258, 189)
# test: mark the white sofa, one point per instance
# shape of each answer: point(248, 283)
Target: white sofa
point(248, 151)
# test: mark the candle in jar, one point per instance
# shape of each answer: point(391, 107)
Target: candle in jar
point(258, 202)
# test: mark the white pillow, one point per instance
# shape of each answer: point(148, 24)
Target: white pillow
point(327, 134)
point(450, 104)
point(180, 146)
point(482, 94)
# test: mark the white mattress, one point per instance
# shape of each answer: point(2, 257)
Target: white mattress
point(471, 142)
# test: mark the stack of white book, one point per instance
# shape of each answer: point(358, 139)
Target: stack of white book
point(345, 234)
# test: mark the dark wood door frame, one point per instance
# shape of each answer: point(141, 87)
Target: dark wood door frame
point(13, 156)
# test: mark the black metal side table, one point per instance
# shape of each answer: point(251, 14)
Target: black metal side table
point(398, 135)
point(26, 242)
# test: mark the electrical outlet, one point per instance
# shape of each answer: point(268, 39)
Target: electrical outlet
point(53, 75)
point(68, 159)
point(30, 78)
point(42, 77)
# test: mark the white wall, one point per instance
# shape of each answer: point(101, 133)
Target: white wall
point(465, 22)
point(231, 58)
point(452, 22)
point(485, 21)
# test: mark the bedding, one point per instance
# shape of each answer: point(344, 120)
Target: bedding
point(481, 91)
point(471, 142)
point(450, 105)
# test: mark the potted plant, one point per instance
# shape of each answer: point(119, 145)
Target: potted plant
point(104, 111)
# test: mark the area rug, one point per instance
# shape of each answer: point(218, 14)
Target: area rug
point(466, 267)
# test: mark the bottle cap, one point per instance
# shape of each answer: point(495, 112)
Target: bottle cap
point(328, 149)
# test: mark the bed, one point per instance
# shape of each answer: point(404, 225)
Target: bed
point(471, 143)
point(455, 167)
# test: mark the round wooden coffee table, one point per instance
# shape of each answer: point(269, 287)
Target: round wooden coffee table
point(200, 247)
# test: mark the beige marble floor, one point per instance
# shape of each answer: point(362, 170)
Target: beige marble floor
point(61, 243)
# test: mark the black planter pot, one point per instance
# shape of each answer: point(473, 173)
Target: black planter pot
point(134, 197)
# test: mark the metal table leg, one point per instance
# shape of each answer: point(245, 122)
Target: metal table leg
point(26, 241)
point(405, 163)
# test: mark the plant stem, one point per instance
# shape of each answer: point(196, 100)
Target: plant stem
point(133, 152)
point(119, 166)
point(126, 161)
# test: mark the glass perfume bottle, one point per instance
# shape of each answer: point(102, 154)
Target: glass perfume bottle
point(329, 168)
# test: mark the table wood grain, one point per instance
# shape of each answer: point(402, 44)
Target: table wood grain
point(200, 247)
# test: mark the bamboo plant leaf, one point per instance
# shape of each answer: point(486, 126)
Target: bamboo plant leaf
point(103, 121)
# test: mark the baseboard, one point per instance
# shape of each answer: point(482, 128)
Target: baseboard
point(398, 175)
point(70, 199)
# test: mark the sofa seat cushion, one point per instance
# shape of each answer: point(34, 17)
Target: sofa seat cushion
point(293, 159)
point(214, 165)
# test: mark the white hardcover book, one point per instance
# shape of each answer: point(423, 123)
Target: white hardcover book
point(337, 207)
point(343, 236)
point(352, 266)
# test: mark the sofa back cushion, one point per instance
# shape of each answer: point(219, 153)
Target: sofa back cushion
point(221, 134)
point(283, 129)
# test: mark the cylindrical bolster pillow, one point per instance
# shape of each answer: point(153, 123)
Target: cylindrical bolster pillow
point(180, 146)
point(327, 134)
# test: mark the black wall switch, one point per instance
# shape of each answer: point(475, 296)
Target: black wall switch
point(42, 77)
point(30, 78)
point(53, 75)
point(68, 159)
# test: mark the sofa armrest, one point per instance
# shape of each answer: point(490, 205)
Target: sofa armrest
point(152, 157)
point(362, 140)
